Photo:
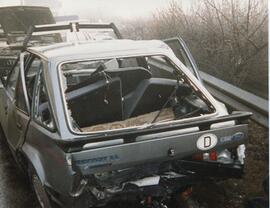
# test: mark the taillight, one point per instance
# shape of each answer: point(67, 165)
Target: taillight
point(207, 156)
point(197, 157)
point(213, 156)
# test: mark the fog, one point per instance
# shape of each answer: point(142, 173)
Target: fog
point(116, 8)
point(101, 9)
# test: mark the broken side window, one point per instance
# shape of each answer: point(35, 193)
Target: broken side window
point(31, 72)
point(12, 79)
point(20, 97)
point(42, 109)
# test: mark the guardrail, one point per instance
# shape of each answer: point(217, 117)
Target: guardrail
point(237, 98)
point(232, 96)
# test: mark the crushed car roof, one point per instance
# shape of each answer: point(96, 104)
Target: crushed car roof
point(95, 49)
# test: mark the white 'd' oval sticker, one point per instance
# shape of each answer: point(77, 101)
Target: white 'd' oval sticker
point(207, 142)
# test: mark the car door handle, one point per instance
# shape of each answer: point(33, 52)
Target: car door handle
point(19, 126)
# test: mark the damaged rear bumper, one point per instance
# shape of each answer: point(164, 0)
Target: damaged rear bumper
point(106, 172)
point(213, 169)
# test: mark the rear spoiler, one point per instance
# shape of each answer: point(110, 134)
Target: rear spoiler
point(73, 27)
point(129, 136)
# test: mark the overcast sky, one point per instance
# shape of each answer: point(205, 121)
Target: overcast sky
point(120, 8)
point(100, 8)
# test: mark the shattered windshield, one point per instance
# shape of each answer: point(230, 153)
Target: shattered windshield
point(128, 92)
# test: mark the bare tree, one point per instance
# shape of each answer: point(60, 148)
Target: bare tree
point(228, 38)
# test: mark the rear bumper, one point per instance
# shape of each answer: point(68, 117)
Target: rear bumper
point(195, 172)
point(130, 191)
point(213, 169)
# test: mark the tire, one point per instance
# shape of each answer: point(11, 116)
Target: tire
point(39, 190)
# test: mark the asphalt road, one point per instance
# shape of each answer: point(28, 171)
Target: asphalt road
point(15, 191)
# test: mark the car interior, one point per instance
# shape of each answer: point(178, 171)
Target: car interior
point(127, 92)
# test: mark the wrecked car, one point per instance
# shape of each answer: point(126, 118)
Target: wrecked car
point(38, 24)
point(96, 121)
point(14, 24)
point(16, 20)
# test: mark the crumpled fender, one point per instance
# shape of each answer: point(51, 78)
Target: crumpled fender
point(32, 156)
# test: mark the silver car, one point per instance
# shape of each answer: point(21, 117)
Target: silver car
point(92, 122)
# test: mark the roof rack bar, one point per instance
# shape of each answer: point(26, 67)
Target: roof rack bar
point(27, 38)
point(44, 28)
point(117, 32)
point(99, 26)
point(68, 26)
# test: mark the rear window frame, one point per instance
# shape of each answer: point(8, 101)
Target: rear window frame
point(122, 130)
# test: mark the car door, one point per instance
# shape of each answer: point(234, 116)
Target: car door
point(19, 109)
point(7, 95)
point(182, 52)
